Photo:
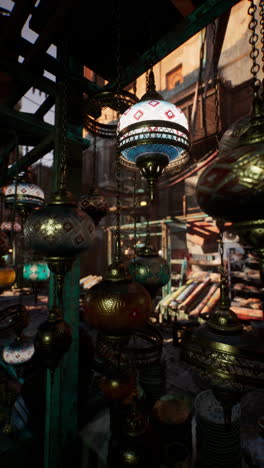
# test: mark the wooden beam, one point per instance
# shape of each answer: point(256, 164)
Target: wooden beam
point(30, 158)
point(15, 22)
point(31, 130)
point(185, 7)
point(24, 74)
point(201, 17)
point(45, 107)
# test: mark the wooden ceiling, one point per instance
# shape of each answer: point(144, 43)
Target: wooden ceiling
point(101, 36)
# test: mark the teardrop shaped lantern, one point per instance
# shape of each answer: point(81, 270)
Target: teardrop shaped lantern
point(94, 204)
point(117, 305)
point(153, 134)
point(149, 269)
point(53, 339)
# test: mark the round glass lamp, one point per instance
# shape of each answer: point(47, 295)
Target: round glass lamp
point(37, 271)
point(153, 134)
point(24, 192)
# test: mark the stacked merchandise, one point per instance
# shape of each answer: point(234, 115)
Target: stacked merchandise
point(200, 295)
point(88, 281)
point(246, 286)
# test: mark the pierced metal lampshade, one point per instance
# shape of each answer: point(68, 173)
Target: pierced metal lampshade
point(60, 229)
point(153, 134)
point(53, 339)
point(95, 205)
point(149, 269)
point(232, 187)
point(117, 306)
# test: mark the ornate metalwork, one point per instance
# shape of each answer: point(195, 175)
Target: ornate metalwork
point(121, 101)
point(53, 339)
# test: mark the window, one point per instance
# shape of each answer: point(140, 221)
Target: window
point(174, 77)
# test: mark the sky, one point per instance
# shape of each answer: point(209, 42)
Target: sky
point(31, 101)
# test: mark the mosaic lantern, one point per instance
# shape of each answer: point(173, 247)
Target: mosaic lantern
point(53, 339)
point(38, 271)
point(95, 205)
point(24, 193)
point(150, 269)
point(153, 134)
point(117, 306)
point(8, 226)
point(60, 229)
point(18, 352)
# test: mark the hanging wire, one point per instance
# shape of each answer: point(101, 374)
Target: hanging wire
point(254, 50)
point(14, 207)
point(134, 209)
point(118, 162)
point(216, 87)
point(63, 147)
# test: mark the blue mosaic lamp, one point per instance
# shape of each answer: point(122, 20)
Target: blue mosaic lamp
point(153, 135)
point(37, 271)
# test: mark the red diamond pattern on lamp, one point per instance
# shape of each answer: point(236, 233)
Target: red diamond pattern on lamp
point(138, 114)
point(170, 114)
point(153, 103)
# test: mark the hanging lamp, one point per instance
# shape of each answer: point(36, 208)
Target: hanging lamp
point(153, 134)
point(223, 353)
point(24, 192)
point(148, 267)
point(22, 348)
point(94, 203)
point(232, 188)
point(117, 306)
point(60, 230)
point(53, 339)
point(36, 271)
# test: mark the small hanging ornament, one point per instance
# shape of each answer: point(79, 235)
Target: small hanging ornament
point(94, 203)
point(53, 339)
point(153, 134)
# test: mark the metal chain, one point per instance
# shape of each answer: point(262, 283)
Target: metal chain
point(261, 12)
point(94, 149)
point(63, 149)
point(216, 87)
point(254, 50)
point(147, 241)
point(118, 163)
point(134, 206)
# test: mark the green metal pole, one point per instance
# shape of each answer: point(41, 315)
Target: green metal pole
point(61, 425)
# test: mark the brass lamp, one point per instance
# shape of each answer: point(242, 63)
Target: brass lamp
point(232, 188)
point(223, 353)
